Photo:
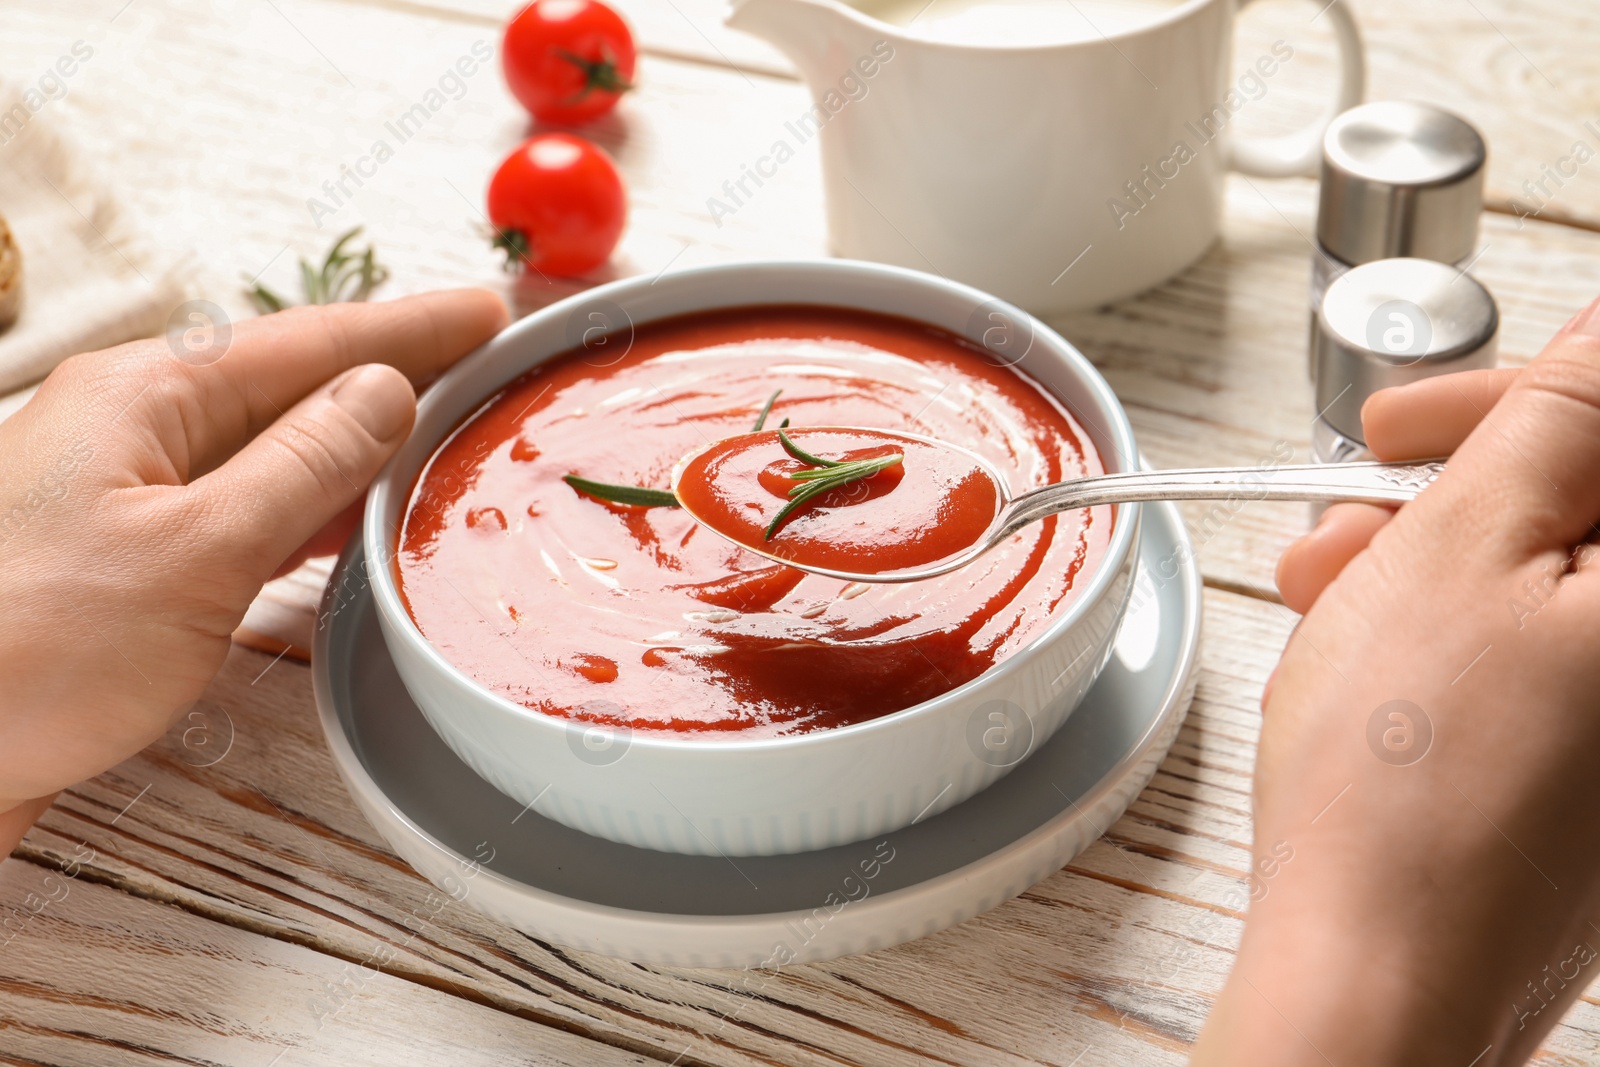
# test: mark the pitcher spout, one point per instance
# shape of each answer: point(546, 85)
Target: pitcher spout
point(802, 30)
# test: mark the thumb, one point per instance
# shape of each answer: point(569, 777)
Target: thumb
point(1529, 475)
point(310, 464)
point(16, 820)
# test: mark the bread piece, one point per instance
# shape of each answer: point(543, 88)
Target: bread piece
point(10, 276)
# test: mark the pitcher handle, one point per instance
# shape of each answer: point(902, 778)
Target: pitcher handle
point(1300, 153)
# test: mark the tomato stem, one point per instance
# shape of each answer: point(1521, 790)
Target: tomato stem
point(516, 246)
point(599, 75)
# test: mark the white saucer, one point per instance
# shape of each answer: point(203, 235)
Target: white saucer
point(562, 886)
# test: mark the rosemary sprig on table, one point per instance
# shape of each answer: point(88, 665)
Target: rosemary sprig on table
point(343, 276)
point(825, 475)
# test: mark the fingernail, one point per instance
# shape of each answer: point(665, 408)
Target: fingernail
point(1586, 322)
point(378, 398)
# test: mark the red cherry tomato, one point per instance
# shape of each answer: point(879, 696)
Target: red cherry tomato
point(568, 61)
point(557, 205)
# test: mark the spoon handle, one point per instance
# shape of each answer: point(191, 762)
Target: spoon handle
point(1370, 483)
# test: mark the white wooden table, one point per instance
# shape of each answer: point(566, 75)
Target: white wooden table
point(224, 914)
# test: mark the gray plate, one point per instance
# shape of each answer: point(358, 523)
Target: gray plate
point(562, 885)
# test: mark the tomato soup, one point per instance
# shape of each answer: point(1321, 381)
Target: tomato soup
point(638, 616)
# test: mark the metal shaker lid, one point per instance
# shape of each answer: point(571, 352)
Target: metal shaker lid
point(1392, 322)
point(1400, 179)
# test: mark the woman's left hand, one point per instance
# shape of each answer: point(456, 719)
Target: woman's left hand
point(144, 501)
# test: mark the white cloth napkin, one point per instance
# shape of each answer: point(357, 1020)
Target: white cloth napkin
point(89, 279)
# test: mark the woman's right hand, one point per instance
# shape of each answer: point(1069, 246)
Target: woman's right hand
point(1430, 743)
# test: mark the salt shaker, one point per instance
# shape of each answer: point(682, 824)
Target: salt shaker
point(1398, 179)
point(1388, 323)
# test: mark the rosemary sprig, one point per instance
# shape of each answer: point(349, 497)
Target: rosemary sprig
point(343, 276)
point(634, 495)
point(766, 409)
point(825, 476)
point(802, 455)
point(640, 497)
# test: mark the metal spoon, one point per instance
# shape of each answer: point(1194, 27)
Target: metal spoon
point(1369, 483)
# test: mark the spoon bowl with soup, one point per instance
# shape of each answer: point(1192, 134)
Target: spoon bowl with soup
point(864, 505)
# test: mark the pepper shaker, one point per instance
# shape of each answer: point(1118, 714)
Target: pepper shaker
point(1399, 179)
point(1389, 323)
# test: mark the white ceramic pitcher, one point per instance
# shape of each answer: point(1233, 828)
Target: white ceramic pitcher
point(1058, 176)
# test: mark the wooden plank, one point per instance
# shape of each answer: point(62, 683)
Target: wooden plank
point(690, 30)
point(1112, 960)
point(100, 976)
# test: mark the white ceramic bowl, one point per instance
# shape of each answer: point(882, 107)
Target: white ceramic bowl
point(783, 794)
